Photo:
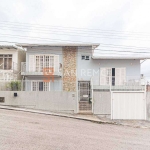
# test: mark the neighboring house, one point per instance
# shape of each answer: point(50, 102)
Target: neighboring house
point(10, 60)
point(106, 85)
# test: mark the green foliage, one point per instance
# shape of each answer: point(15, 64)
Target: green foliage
point(15, 86)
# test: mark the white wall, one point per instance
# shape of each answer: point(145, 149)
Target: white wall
point(92, 66)
point(52, 101)
point(102, 103)
point(148, 104)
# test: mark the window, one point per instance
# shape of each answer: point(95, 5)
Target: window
point(40, 86)
point(83, 57)
point(6, 62)
point(113, 76)
point(38, 62)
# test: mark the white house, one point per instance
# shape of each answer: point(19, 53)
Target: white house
point(10, 59)
point(105, 85)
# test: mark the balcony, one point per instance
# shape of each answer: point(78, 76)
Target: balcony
point(129, 83)
point(38, 71)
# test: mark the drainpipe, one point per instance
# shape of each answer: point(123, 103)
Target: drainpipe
point(92, 98)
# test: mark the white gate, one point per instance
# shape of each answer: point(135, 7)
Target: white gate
point(128, 105)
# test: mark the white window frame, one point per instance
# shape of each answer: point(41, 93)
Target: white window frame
point(52, 63)
point(37, 85)
point(107, 80)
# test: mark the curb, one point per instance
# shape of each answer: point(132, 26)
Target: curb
point(68, 116)
point(53, 114)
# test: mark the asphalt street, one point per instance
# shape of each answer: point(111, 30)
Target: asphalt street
point(31, 131)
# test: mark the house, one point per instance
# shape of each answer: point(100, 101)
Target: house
point(10, 59)
point(105, 85)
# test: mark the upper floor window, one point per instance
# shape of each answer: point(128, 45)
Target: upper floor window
point(38, 63)
point(85, 57)
point(6, 61)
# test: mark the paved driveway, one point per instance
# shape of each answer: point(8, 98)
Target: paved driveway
point(30, 131)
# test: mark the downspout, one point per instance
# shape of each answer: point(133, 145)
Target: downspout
point(92, 97)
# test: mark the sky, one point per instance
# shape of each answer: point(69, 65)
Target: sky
point(118, 25)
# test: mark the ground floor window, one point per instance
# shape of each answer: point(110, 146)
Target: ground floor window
point(40, 86)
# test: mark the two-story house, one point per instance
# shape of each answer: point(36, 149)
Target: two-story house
point(106, 85)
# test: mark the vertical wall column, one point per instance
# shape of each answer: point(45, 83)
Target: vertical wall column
point(69, 68)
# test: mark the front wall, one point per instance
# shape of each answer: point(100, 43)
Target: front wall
point(102, 103)
point(148, 105)
point(69, 68)
point(52, 101)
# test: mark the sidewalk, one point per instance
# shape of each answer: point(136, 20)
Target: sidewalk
point(92, 118)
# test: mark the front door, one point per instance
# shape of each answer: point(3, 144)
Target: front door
point(84, 96)
point(84, 90)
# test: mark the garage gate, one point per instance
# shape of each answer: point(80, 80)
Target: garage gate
point(128, 105)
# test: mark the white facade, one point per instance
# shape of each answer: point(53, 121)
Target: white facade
point(10, 62)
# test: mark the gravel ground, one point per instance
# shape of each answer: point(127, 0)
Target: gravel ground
point(30, 131)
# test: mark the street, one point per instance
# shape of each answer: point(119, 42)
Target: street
point(31, 131)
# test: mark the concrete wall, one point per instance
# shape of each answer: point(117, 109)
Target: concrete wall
point(148, 105)
point(52, 101)
point(102, 103)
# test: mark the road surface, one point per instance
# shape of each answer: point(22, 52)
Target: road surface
point(30, 131)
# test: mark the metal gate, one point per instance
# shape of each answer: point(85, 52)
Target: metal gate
point(128, 105)
point(84, 90)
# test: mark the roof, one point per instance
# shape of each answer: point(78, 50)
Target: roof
point(10, 47)
point(94, 45)
point(122, 57)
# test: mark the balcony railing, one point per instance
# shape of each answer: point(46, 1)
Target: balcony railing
point(38, 70)
point(13, 67)
point(129, 83)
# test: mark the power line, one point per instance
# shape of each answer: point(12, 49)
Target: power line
point(122, 45)
point(97, 50)
point(38, 38)
point(58, 29)
point(87, 29)
point(64, 33)
point(84, 52)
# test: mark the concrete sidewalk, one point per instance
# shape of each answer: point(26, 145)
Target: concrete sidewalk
point(91, 118)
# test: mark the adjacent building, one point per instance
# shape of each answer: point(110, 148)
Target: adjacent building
point(10, 62)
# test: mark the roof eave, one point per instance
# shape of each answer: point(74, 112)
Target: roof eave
point(121, 57)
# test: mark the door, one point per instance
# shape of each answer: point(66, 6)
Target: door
point(128, 105)
point(84, 97)
point(84, 91)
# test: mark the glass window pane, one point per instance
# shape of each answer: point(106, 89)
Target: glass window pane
point(1, 63)
point(40, 86)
